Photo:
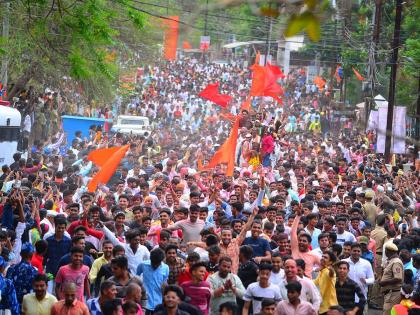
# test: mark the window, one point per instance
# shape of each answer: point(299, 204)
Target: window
point(132, 122)
point(9, 134)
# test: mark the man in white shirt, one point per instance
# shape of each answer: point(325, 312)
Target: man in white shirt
point(341, 193)
point(360, 269)
point(309, 292)
point(324, 243)
point(277, 273)
point(256, 291)
point(343, 235)
point(135, 252)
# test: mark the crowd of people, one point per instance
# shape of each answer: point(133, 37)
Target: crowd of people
point(312, 221)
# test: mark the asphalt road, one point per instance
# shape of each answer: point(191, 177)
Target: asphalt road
point(374, 312)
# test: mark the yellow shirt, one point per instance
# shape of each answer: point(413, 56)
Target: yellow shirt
point(326, 286)
point(96, 266)
point(32, 306)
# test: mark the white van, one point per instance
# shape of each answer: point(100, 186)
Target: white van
point(10, 120)
point(138, 125)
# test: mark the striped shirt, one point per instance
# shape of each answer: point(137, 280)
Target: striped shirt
point(199, 294)
point(346, 294)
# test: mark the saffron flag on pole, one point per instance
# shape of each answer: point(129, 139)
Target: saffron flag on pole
point(226, 153)
point(227, 116)
point(257, 58)
point(320, 82)
point(246, 105)
point(108, 160)
point(276, 71)
point(358, 75)
point(211, 93)
point(171, 38)
point(264, 81)
point(186, 45)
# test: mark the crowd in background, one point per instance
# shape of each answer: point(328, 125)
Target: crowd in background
point(312, 221)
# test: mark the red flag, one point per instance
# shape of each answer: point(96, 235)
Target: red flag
point(226, 153)
point(211, 93)
point(276, 71)
point(108, 159)
point(358, 75)
point(264, 81)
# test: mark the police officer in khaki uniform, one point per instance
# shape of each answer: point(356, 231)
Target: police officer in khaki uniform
point(392, 278)
point(380, 236)
point(370, 209)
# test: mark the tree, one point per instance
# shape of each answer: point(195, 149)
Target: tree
point(56, 38)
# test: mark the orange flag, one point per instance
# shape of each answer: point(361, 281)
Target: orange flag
point(108, 159)
point(358, 75)
point(186, 45)
point(226, 153)
point(246, 105)
point(258, 80)
point(170, 41)
point(228, 116)
point(257, 58)
point(319, 82)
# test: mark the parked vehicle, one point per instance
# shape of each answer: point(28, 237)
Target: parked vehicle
point(10, 120)
point(138, 125)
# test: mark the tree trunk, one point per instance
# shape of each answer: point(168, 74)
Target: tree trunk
point(21, 83)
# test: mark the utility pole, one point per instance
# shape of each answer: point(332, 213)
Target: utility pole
point(377, 23)
point(5, 34)
point(268, 40)
point(393, 77)
point(205, 22)
point(369, 91)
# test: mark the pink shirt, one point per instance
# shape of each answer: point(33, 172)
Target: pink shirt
point(303, 308)
point(154, 234)
point(309, 257)
point(78, 276)
point(139, 312)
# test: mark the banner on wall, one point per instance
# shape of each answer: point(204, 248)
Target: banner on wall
point(170, 42)
point(398, 129)
point(204, 43)
point(373, 121)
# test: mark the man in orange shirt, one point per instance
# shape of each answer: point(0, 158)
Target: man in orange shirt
point(70, 305)
point(300, 246)
point(230, 246)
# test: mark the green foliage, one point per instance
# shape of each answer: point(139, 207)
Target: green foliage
point(409, 61)
point(307, 22)
point(71, 38)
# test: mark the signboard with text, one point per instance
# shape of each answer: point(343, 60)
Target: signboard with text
point(204, 43)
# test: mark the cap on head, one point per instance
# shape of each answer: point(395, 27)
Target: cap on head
point(51, 213)
point(27, 248)
point(119, 213)
point(391, 246)
point(363, 240)
point(369, 194)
